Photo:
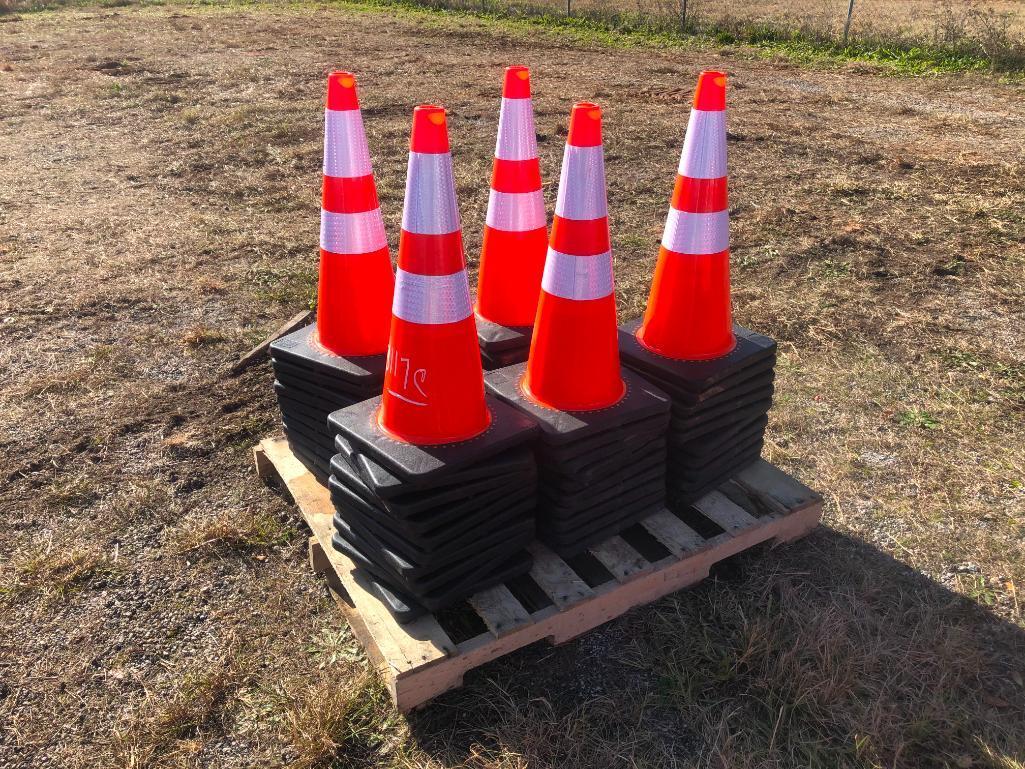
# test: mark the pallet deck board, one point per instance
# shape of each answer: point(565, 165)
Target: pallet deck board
point(419, 660)
point(775, 486)
point(623, 562)
point(725, 513)
point(678, 537)
point(500, 610)
point(556, 578)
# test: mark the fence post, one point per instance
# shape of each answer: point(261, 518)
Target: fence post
point(683, 15)
point(569, 7)
point(847, 24)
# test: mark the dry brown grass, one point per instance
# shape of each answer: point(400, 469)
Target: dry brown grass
point(53, 572)
point(232, 529)
point(151, 197)
point(170, 726)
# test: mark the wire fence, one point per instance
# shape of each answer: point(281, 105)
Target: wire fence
point(989, 29)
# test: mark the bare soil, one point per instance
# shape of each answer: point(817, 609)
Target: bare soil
point(159, 214)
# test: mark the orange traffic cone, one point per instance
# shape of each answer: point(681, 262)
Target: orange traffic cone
point(434, 382)
point(515, 235)
point(356, 279)
point(574, 355)
point(688, 315)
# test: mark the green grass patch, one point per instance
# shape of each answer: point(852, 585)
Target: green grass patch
point(627, 28)
point(619, 28)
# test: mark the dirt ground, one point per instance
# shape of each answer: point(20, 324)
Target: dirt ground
point(159, 172)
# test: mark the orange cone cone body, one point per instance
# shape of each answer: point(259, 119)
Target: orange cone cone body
point(356, 278)
point(688, 315)
point(574, 355)
point(434, 381)
point(515, 234)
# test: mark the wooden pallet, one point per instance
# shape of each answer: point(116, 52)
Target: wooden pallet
point(421, 659)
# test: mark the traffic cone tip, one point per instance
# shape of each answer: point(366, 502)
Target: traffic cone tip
point(430, 130)
point(584, 125)
point(710, 93)
point(517, 82)
point(341, 91)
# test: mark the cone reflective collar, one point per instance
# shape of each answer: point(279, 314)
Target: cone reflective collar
point(433, 385)
point(688, 315)
point(574, 355)
point(515, 234)
point(356, 279)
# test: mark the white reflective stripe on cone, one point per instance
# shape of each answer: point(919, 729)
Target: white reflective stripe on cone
point(517, 139)
point(516, 211)
point(431, 299)
point(345, 145)
point(352, 233)
point(687, 233)
point(577, 277)
point(430, 205)
point(582, 184)
point(704, 146)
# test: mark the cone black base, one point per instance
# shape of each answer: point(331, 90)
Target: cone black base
point(432, 525)
point(600, 471)
point(311, 382)
point(502, 346)
point(302, 350)
point(719, 411)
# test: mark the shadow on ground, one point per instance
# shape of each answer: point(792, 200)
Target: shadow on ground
point(826, 653)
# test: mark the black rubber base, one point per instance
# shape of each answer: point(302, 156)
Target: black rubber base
point(323, 386)
point(567, 510)
point(490, 526)
point(577, 541)
point(434, 528)
point(683, 493)
point(600, 471)
point(510, 465)
point(402, 607)
point(755, 388)
point(611, 444)
point(315, 414)
point(309, 454)
point(422, 574)
point(431, 525)
point(641, 402)
point(712, 444)
point(573, 479)
point(430, 507)
point(421, 466)
point(405, 606)
point(684, 398)
point(686, 476)
point(493, 361)
point(686, 429)
point(695, 376)
point(301, 350)
point(324, 396)
point(496, 338)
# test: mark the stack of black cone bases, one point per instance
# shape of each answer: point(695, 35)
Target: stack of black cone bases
point(719, 408)
point(311, 382)
point(430, 525)
point(599, 471)
point(502, 346)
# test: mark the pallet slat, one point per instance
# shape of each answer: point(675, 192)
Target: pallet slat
point(556, 578)
point(719, 508)
point(623, 562)
point(678, 537)
point(500, 610)
point(770, 483)
point(419, 661)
